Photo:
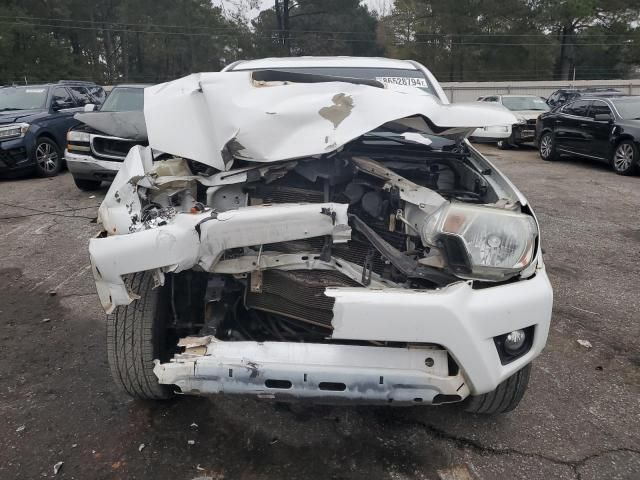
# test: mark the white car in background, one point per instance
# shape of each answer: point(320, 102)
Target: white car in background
point(313, 231)
point(526, 108)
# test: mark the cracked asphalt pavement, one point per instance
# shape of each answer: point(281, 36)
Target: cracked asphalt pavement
point(579, 419)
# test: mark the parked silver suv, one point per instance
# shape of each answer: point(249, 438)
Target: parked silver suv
point(96, 147)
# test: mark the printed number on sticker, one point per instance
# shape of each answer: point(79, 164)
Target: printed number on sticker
point(403, 81)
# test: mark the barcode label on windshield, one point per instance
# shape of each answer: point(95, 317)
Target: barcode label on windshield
point(403, 81)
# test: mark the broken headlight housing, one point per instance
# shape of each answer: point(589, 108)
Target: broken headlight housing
point(480, 242)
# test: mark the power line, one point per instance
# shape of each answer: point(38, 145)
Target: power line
point(345, 40)
point(94, 22)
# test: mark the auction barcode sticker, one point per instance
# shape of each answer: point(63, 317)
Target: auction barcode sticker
point(403, 81)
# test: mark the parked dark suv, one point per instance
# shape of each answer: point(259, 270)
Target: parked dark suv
point(566, 95)
point(34, 120)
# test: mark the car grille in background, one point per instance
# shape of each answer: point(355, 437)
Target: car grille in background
point(532, 122)
point(111, 148)
point(298, 294)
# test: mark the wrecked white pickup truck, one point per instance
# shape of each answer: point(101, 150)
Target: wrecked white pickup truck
point(306, 235)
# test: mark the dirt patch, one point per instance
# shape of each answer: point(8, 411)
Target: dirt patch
point(341, 109)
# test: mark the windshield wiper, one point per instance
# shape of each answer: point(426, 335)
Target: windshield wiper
point(7, 109)
point(397, 138)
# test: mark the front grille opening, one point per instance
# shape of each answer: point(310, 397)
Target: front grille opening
point(417, 400)
point(332, 386)
point(281, 384)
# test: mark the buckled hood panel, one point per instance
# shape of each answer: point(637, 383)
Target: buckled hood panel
point(215, 117)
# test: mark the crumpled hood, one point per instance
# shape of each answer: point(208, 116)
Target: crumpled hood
point(214, 117)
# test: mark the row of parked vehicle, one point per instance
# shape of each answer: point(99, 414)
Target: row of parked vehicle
point(597, 123)
point(37, 122)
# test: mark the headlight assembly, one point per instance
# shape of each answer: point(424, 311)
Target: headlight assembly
point(78, 136)
point(482, 242)
point(13, 131)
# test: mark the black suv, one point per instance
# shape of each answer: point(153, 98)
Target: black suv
point(34, 120)
point(566, 95)
point(601, 128)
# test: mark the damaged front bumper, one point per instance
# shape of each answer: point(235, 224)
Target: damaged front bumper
point(330, 373)
point(90, 168)
point(460, 321)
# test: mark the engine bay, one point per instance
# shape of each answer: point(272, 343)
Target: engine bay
point(276, 291)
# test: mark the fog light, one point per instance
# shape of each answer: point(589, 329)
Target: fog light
point(514, 341)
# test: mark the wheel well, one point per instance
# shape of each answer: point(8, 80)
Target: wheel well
point(48, 136)
point(618, 141)
point(622, 138)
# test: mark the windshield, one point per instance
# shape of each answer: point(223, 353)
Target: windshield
point(628, 108)
point(525, 103)
point(393, 78)
point(22, 98)
point(124, 99)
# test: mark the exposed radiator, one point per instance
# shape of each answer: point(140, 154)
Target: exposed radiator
point(298, 294)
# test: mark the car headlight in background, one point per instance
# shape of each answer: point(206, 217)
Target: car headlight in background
point(482, 242)
point(78, 142)
point(14, 130)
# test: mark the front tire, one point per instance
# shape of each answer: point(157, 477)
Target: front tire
point(87, 185)
point(504, 398)
point(625, 158)
point(136, 336)
point(547, 147)
point(48, 157)
point(503, 145)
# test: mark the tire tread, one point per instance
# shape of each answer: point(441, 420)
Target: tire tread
point(504, 398)
point(132, 341)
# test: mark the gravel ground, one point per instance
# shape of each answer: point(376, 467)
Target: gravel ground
point(579, 419)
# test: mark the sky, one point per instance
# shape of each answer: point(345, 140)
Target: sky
point(232, 5)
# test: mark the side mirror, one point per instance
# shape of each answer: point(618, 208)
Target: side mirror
point(89, 107)
point(602, 117)
point(60, 105)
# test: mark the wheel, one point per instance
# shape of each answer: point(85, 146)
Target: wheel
point(87, 185)
point(48, 158)
point(504, 398)
point(137, 335)
point(503, 145)
point(625, 158)
point(547, 147)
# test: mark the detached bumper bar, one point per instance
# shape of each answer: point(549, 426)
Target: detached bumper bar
point(319, 372)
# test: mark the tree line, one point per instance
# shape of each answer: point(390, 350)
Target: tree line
point(149, 41)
